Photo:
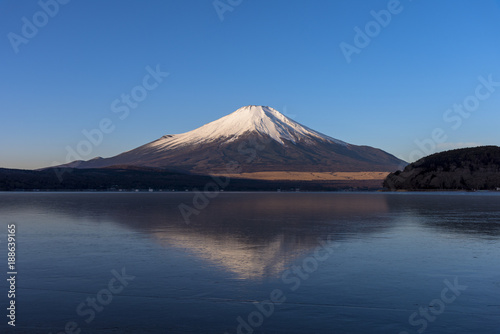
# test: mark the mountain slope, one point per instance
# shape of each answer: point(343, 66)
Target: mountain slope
point(255, 139)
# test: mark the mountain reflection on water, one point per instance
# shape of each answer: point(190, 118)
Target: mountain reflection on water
point(252, 235)
point(258, 235)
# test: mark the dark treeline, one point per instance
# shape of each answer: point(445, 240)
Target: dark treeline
point(136, 178)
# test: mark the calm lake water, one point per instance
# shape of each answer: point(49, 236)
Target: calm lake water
point(254, 263)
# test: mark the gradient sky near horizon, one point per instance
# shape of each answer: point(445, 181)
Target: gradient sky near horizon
point(394, 92)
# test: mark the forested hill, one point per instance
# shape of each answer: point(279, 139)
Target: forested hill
point(475, 168)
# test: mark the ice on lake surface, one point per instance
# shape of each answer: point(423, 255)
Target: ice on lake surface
point(255, 263)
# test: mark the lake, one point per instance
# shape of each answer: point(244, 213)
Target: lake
point(253, 262)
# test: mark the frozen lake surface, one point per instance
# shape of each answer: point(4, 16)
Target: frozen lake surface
point(254, 263)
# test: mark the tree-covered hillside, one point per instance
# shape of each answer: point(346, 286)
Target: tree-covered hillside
point(475, 168)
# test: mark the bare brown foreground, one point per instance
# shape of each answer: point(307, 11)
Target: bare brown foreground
point(310, 176)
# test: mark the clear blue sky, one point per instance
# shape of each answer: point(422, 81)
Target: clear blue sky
point(284, 54)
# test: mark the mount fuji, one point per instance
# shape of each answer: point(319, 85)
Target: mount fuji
point(255, 139)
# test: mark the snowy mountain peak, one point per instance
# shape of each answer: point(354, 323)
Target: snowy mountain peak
point(256, 111)
point(289, 147)
point(260, 119)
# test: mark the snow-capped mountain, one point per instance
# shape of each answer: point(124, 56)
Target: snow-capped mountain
point(256, 139)
point(265, 121)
